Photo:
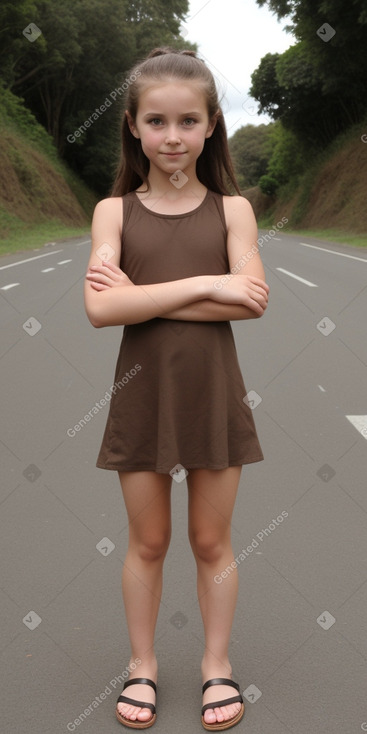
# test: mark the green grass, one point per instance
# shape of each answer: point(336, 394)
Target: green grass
point(25, 237)
point(331, 235)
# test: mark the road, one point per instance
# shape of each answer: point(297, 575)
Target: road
point(299, 645)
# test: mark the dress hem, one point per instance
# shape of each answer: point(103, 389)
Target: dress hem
point(163, 470)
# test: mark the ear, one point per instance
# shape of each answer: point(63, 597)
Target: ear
point(131, 124)
point(211, 126)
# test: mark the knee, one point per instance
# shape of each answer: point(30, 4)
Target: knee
point(207, 546)
point(153, 547)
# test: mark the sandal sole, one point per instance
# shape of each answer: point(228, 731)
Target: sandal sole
point(135, 724)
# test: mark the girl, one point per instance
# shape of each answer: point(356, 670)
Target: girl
point(168, 236)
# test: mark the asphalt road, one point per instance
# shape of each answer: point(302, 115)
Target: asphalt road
point(299, 645)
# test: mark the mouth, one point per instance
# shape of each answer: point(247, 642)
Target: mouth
point(175, 154)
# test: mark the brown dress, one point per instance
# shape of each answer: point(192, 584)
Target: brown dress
point(177, 398)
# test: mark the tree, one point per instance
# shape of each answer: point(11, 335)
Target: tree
point(317, 87)
point(84, 53)
point(250, 153)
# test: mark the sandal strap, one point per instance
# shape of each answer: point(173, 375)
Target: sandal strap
point(133, 702)
point(220, 682)
point(140, 681)
point(218, 704)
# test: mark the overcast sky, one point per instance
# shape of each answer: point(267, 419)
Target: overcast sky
point(232, 37)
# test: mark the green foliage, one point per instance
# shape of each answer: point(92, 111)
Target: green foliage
point(250, 153)
point(289, 155)
point(317, 87)
point(13, 114)
point(83, 53)
point(268, 185)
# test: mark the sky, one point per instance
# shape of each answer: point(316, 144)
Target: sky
point(232, 36)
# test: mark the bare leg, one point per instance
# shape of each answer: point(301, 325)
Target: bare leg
point(148, 503)
point(212, 495)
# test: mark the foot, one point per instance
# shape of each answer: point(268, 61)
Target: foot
point(139, 692)
point(219, 693)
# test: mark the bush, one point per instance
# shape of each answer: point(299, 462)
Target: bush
point(268, 185)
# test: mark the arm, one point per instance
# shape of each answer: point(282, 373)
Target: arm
point(110, 297)
point(244, 259)
point(207, 310)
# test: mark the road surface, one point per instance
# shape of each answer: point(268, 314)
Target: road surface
point(299, 645)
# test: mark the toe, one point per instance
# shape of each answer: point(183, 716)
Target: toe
point(209, 716)
point(144, 714)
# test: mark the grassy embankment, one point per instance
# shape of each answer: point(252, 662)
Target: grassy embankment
point(41, 200)
point(329, 200)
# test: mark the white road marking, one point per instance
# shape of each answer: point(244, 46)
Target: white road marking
point(360, 423)
point(86, 242)
point(342, 254)
point(47, 270)
point(63, 262)
point(278, 239)
point(36, 257)
point(7, 287)
point(297, 277)
point(321, 388)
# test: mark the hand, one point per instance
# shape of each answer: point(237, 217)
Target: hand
point(245, 290)
point(107, 275)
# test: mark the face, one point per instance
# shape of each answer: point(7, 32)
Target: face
point(172, 124)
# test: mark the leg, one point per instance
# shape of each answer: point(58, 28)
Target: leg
point(148, 503)
point(212, 496)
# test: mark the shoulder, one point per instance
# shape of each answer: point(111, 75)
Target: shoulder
point(238, 210)
point(110, 205)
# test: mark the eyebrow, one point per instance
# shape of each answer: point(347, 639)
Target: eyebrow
point(195, 113)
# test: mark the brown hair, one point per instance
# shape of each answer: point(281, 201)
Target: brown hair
point(214, 166)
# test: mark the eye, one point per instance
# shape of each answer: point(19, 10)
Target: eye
point(155, 121)
point(189, 122)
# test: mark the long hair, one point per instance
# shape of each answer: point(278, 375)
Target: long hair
point(214, 166)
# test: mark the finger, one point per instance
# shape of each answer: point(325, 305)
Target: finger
point(115, 269)
point(99, 287)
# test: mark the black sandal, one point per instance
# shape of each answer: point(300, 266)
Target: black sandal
point(136, 724)
point(221, 725)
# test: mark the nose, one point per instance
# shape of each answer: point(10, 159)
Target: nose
point(172, 135)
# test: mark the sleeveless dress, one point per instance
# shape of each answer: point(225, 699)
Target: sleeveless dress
point(177, 398)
